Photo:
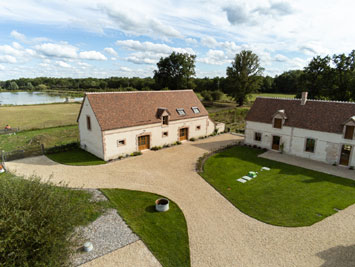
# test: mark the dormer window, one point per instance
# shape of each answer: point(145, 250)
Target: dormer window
point(181, 111)
point(165, 120)
point(278, 123)
point(349, 132)
point(196, 110)
point(279, 118)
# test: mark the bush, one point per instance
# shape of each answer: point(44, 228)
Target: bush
point(206, 95)
point(155, 148)
point(136, 153)
point(178, 143)
point(166, 145)
point(351, 168)
point(62, 148)
point(216, 95)
point(192, 139)
point(37, 221)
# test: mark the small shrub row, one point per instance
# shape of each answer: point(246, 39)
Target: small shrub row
point(63, 148)
point(155, 148)
point(136, 153)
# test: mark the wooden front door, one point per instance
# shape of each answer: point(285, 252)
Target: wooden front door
point(143, 142)
point(276, 142)
point(345, 155)
point(183, 134)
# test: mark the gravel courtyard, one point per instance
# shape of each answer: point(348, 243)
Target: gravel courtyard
point(219, 234)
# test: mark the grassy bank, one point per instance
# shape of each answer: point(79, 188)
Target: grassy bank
point(76, 157)
point(39, 116)
point(164, 233)
point(233, 118)
point(34, 138)
point(286, 195)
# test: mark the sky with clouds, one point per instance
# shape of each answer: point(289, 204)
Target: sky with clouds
point(104, 38)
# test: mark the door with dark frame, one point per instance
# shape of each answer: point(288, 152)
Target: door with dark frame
point(276, 142)
point(345, 155)
point(183, 134)
point(143, 142)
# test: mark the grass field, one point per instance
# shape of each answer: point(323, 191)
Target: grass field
point(39, 116)
point(76, 157)
point(286, 195)
point(48, 137)
point(164, 233)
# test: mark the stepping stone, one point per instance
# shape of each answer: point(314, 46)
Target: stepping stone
point(265, 169)
point(336, 209)
point(241, 180)
point(247, 178)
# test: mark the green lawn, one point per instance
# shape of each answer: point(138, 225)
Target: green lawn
point(252, 97)
point(286, 195)
point(164, 233)
point(33, 138)
point(39, 116)
point(76, 157)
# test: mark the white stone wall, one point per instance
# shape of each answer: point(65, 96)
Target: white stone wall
point(90, 140)
point(327, 146)
point(130, 135)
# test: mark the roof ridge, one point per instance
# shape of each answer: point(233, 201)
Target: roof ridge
point(315, 100)
point(127, 92)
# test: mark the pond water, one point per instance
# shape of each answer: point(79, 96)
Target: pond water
point(30, 98)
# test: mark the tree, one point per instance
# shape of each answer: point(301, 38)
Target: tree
point(29, 86)
point(243, 76)
point(288, 82)
point(13, 86)
point(175, 71)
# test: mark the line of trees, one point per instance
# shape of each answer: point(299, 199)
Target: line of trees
point(324, 78)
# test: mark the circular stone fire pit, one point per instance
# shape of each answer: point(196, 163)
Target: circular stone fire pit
point(162, 204)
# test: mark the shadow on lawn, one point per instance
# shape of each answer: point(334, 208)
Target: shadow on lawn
point(338, 256)
point(250, 155)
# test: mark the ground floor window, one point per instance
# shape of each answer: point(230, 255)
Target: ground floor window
point(310, 144)
point(121, 142)
point(165, 134)
point(257, 136)
point(198, 127)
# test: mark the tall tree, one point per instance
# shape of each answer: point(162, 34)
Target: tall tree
point(175, 71)
point(243, 76)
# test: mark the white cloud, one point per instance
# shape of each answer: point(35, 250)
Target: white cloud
point(214, 57)
point(191, 41)
point(19, 36)
point(62, 64)
point(110, 51)
point(7, 59)
point(84, 64)
point(16, 45)
point(2, 67)
point(92, 55)
point(281, 58)
point(209, 41)
point(125, 69)
point(57, 50)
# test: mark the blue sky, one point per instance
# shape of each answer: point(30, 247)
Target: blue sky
point(104, 38)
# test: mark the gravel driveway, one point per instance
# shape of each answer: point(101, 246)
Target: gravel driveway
point(219, 234)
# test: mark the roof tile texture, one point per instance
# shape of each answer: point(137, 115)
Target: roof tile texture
point(127, 109)
point(324, 116)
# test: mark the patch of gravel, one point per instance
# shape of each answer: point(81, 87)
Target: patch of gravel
point(97, 195)
point(108, 233)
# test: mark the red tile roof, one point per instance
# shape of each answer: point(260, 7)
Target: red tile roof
point(317, 115)
point(126, 109)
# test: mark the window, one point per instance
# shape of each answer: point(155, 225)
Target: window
point(349, 132)
point(310, 143)
point(88, 123)
point(198, 127)
point(181, 111)
point(257, 136)
point(196, 110)
point(278, 123)
point(165, 134)
point(121, 142)
point(165, 120)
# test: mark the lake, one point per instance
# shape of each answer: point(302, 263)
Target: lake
point(31, 98)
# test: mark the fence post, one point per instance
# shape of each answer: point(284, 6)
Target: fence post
point(42, 148)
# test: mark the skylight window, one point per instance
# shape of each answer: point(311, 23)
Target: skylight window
point(181, 111)
point(196, 110)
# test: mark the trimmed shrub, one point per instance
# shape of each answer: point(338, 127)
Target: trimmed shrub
point(155, 148)
point(136, 153)
point(178, 143)
point(37, 221)
point(192, 139)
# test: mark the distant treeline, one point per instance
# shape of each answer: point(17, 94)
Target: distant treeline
point(324, 78)
point(280, 84)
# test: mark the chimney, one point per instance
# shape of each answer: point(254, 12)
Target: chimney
point(304, 98)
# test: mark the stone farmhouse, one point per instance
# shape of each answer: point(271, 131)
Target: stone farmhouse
point(314, 129)
point(112, 124)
